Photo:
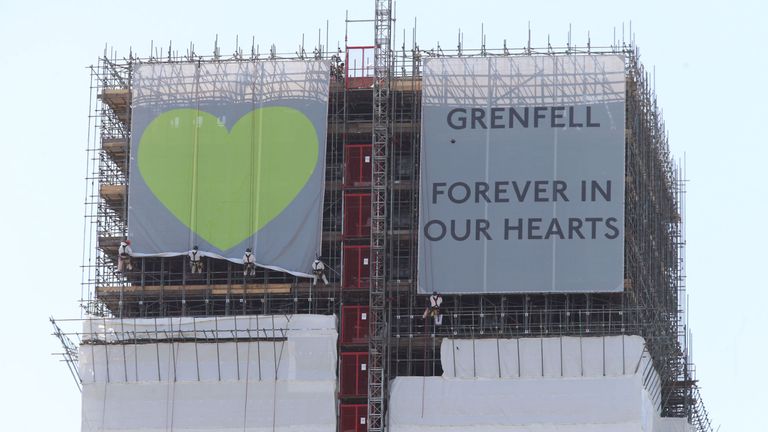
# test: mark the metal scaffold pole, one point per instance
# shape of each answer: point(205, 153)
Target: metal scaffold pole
point(377, 344)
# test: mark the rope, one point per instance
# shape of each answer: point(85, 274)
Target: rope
point(274, 387)
point(278, 360)
point(424, 377)
point(251, 193)
point(258, 346)
point(104, 403)
point(247, 375)
point(175, 347)
point(106, 381)
point(195, 154)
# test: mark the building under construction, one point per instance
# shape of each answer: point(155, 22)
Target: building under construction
point(370, 233)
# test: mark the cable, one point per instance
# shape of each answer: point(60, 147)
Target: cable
point(247, 373)
point(424, 372)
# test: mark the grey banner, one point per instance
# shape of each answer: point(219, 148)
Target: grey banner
point(522, 175)
point(228, 156)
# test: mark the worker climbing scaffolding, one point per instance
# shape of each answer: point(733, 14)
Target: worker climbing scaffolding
point(124, 254)
point(318, 271)
point(433, 308)
point(249, 263)
point(195, 261)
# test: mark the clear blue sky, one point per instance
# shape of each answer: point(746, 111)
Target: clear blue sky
point(710, 81)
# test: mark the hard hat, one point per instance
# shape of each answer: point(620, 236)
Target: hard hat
point(194, 247)
point(248, 250)
point(434, 293)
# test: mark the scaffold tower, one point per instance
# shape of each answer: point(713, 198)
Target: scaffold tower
point(377, 344)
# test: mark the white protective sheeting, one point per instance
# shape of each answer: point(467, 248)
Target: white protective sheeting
point(187, 374)
point(304, 358)
point(229, 327)
point(572, 384)
point(542, 357)
point(668, 424)
point(544, 404)
point(210, 406)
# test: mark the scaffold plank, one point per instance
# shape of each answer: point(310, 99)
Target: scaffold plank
point(117, 150)
point(119, 100)
point(219, 289)
point(113, 192)
point(366, 128)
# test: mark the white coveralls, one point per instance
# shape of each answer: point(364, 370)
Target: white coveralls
point(124, 253)
point(249, 263)
point(318, 269)
point(195, 261)
point(433, 310)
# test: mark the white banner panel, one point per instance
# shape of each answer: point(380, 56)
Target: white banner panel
point(522, 174)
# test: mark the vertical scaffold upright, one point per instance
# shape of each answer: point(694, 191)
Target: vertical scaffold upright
point(377, 343)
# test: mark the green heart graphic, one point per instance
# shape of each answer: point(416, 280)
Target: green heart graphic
point(226, 185)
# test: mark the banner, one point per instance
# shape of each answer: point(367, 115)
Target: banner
point(227, 156)
point(522, 174)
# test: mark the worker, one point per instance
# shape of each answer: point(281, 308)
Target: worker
point(195, 260)
point(124, 254)
point(337, 68)
point(249, 263)
point(318, 270)
point(433, 308)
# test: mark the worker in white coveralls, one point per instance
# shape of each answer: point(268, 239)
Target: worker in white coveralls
point(124, 254)
point(433, 308)
point(249, 263)
point(318, 270)
point(195, 260)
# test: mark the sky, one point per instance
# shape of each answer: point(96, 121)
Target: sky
point(710, 74)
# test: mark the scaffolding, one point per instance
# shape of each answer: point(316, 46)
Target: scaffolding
point(370, 226)
point(382, 123)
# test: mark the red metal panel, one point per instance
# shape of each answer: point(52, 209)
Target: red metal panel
point(356, 267)
point(358, 70)
point(352, 418)
point(354, 324)
point(360, 82)
point(357, 165)
point(353, 371)
point(357, 215)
